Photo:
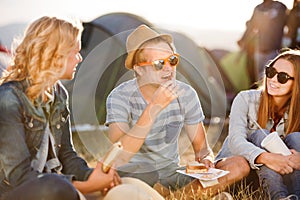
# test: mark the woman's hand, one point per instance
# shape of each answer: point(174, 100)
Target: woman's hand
point(294, 159)
point(98, 181)
point(276, 162)
point(116, 181)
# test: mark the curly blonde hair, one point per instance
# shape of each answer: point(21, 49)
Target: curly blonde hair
point(42, 55)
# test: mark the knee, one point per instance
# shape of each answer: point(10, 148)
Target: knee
point(242, 166)
point(292, 139)
point(58, 187)
point(127, 191)
point(237, 165)
point(293, 136)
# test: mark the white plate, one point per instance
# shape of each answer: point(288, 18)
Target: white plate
point(211, 174)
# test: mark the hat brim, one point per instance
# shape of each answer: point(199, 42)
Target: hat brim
point(130, 55)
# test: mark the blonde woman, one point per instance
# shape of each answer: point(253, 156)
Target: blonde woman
point(37, 158)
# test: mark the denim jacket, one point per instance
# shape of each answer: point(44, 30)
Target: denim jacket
point(22, 126)
point(242, 123)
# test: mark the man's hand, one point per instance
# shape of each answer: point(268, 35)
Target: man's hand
point(165, 94)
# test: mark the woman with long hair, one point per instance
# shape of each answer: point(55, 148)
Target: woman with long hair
point(257, 113)
point(37, 157)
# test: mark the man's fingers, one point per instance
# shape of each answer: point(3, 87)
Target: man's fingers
point(167, 84)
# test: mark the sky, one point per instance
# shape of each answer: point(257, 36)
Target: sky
point(188, 16)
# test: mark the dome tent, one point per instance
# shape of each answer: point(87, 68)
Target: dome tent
point(104, 53)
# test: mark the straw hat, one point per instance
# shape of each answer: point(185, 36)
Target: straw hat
point(138, 37)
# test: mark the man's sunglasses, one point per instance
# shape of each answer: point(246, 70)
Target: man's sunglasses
point(282, 77)
point(159, 64)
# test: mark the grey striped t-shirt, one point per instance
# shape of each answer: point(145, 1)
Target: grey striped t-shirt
point(126, 104)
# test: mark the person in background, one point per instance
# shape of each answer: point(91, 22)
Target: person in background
point(152, 150)
point(263, 36)
point(37, 157)
point(292, 30)
point(255, 114)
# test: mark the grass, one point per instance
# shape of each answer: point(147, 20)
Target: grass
point(242, 190)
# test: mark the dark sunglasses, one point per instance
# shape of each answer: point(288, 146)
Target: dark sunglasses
point(159, 64)
point(282, 77)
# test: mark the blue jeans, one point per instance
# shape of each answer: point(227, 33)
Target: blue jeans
point(47, 187)
point(148, 174)
point(167, 176)
point(277, 185)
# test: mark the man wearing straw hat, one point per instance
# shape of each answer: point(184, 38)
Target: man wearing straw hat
point(152, 152)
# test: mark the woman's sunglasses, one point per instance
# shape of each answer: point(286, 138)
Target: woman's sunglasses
point(282, 77)
point(159, 64)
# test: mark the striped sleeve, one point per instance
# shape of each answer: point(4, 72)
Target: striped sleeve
point(117, 106)
point(192, 107)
